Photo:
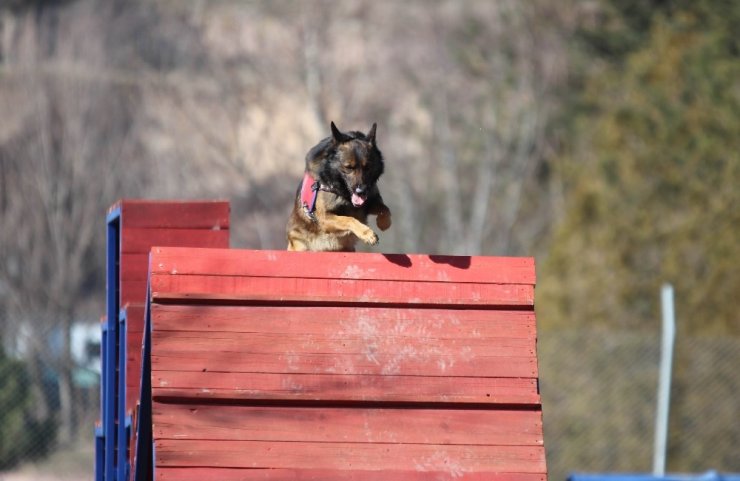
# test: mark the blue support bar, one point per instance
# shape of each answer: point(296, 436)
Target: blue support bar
point(144, 458)
point(708, 476)
point(99, 440)
point(110, 348)
point(127, 470)
point(109, 411)
point(122, 439)
point(100, 473)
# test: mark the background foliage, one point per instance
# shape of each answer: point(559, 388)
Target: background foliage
point(652, 169)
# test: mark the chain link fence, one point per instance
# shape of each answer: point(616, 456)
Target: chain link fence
point(599, 393)
point(599, 390)
point(32, 431)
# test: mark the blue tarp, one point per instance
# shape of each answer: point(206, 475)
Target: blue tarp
point(708, 476)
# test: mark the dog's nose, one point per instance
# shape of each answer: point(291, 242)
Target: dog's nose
point(360, 189)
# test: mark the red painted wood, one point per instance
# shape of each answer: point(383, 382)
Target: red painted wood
point(135, 316)
point(359, 364)
point(136, 240)
point(350, 353)
point(134, 267)
point(365, 266)
point(144, 224)
point(236, 474)
point(344, 340)
point(133, 369)
point(296, 375)
point(133, 353)
point(338, 291)
point(201, 214)
point(328, 387)
point(408, 321)
point(347, 456)
point(134, 336)
point(357, 425)
point(133, 292)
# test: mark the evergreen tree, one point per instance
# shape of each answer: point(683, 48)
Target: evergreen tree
point(652, 172)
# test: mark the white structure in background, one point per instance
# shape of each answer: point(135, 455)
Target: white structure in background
point(85, 345)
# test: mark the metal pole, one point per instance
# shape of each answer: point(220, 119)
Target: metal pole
point(664, 382)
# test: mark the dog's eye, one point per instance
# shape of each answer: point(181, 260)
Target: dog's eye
point(348, 166)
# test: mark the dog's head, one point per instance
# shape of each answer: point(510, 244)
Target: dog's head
point(351, 163)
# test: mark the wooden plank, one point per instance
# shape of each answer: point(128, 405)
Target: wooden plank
point(403, 363)
point(201, 214)
point(133, 360)
point(366, 343)
point(135, 240)
point(133, 346)
point(324, 424)
point(373, 354)
point(134, 267)
point(353, 388)
point(133, 292)
point(348, 456)
point(135, 316)
point(245, 474)
point(321, 320)
point(350, 338)
point(338, 291)
point(132, 397)
point(134, 336)
point(342, 265)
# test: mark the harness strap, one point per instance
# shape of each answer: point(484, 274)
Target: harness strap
point(309, 192)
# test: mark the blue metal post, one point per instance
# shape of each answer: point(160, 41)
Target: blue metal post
point(99, 440)
point(100, 430)
point(110, 350)
point(127, 471)
point(122, 461)
point(144, 457)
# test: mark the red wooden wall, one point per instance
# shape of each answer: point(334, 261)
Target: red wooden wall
point(273, 365)
point(144, 224)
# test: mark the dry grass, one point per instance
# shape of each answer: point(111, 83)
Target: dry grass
point(73, 464)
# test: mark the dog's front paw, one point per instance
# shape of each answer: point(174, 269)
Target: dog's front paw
point(368, 236)
point(384, 220)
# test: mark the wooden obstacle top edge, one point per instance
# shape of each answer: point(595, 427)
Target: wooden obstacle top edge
point(343, 265)
point(251, 276)
point(196, 214)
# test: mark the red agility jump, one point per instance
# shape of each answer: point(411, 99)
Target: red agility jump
point(275, 365)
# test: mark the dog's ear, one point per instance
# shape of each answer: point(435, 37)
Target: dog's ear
point(371, 133)
point(338, 136)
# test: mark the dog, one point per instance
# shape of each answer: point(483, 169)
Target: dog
point(337, 194)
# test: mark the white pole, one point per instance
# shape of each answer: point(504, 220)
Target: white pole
point(664, 382)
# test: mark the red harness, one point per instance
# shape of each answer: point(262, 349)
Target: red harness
point(309, 193)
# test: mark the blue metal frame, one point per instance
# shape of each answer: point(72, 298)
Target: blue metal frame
point(112, 344)
point(708, 476)
point(122, 461)
point(99, 440)
point(100, 430)
point(144, 458)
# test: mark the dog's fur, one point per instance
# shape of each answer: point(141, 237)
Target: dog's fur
point(347, 165)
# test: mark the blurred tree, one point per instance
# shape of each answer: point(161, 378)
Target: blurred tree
point(64, 155)
point(652, 171)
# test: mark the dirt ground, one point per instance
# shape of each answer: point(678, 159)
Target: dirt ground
point(75, 464)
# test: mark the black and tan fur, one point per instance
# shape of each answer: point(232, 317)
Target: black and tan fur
point(348, 165)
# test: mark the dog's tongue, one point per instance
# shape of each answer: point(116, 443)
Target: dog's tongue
point(357, 201)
